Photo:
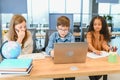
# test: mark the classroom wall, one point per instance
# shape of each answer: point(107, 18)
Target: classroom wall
point(13, 6)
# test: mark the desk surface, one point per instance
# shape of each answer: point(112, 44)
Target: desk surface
point(45, 68)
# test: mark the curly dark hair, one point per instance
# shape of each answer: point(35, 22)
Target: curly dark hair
point(104, 31)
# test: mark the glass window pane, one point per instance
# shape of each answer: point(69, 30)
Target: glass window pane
point(57, 6)
point(103, 8)
point(115, 12)
point(73, 6)
point(6, 18)
point(76, 17)
point(116, 21)
point(86, 13)
point(85, 20)
point(115, 9)
point(39, 11)
point(86, 6)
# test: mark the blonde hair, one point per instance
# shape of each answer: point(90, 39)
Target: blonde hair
point(16, 19)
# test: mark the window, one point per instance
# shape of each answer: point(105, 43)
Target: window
point(38, 13)
point(111, 9)
point(57, 6)
point(73, 6)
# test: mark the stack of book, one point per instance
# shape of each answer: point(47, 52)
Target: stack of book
point(16, 66)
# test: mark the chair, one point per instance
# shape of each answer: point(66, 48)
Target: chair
point(48, 33)
point(33, 25)
point(33, 32)
point(104, 77)
point(83, 34)
point(111, 30)
point(77, 30)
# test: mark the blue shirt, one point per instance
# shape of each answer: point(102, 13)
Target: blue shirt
point(55, 38)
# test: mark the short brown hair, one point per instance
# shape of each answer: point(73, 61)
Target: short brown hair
point(64, 21)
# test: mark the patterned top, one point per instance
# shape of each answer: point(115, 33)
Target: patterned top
point(96, 42)
point(55, 38)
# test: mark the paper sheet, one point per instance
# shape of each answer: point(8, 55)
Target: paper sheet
point(33, 56)
point(93, 55)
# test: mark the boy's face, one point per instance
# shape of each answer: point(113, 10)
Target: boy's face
point(62, 30)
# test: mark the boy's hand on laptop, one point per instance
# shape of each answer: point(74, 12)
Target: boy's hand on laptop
point(52, 53)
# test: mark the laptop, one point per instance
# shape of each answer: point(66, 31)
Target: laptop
point(75, 52)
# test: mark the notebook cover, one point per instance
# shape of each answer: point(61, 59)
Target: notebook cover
point(15, 64)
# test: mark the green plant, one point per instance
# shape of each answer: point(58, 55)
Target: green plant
point(109, 18)
point(105, 17)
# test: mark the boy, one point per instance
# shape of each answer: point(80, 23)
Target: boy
point(62, 35)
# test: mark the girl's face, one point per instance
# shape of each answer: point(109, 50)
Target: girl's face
point(97, 25)
point(63, 31)
point(20, 27)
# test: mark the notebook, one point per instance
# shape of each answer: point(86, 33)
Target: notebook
point(15, 65)
point(75, 52)
point(17, 72)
